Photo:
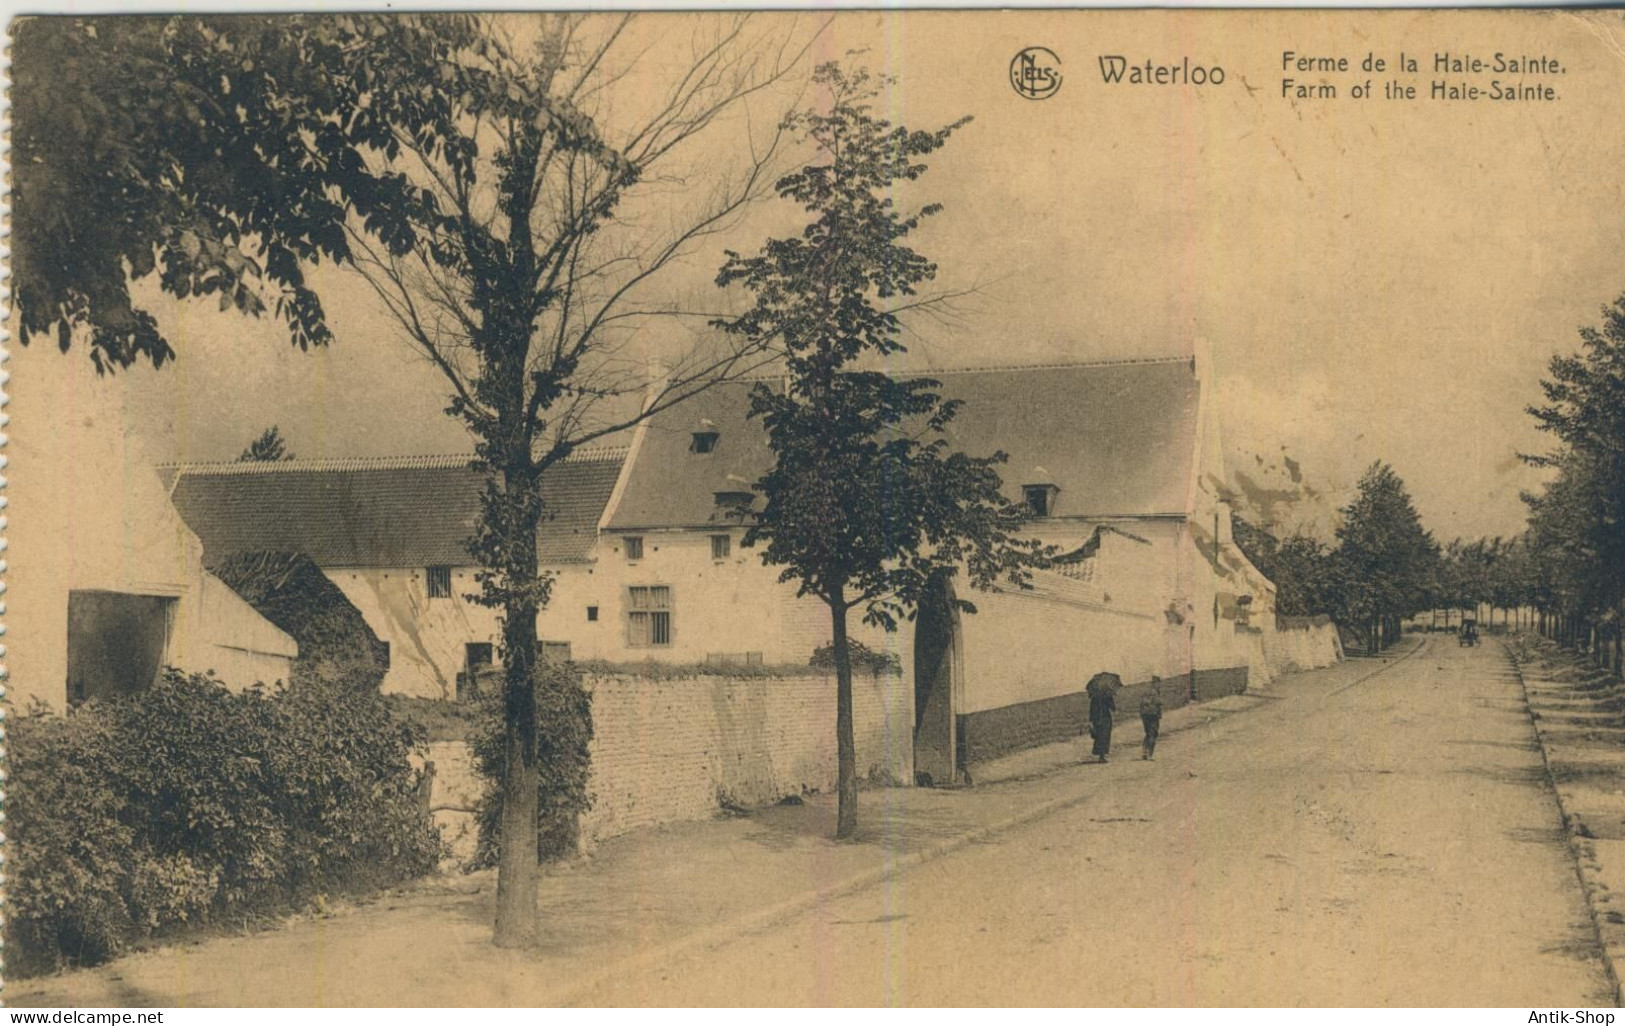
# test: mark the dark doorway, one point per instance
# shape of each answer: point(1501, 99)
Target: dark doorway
point(936, 657)
point(477, 657)
point(116, 642)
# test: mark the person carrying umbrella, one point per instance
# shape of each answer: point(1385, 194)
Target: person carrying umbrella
point(1102, 690)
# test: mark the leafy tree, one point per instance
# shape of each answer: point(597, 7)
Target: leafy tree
point(1572, 531)
point(220, 154)
point(1299, 567)
point(1577, 523)
point(510, 202)
point(1385, 561)
point(1509, 583)
point(1474, 562)
point(866, 506)
point(1494, 572)
point(1258, 544)
point(269, 447)
point(1452, 583)
point(525, 281)
point(1304, 577)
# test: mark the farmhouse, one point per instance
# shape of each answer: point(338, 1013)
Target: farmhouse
point(1122, 466)
point(1119, 461)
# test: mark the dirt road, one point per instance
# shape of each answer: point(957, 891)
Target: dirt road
point(1370, 834)
point(1389, 842)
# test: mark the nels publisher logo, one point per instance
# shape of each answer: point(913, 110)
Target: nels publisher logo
point(1036, 73)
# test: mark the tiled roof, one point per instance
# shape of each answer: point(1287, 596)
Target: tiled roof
point(1117, 439)
point(378, 512)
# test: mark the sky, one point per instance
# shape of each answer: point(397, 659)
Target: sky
point(1378, 279)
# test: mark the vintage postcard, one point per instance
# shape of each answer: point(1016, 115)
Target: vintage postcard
point(808, 508)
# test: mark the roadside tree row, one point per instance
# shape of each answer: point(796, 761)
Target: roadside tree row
point(1383, 569)
point(1576, 538)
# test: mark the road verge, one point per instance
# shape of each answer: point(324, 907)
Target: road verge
point(1549, 700)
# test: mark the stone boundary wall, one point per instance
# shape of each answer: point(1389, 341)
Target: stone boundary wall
point(686, 748)
point(1292, 648)
point(683, 749)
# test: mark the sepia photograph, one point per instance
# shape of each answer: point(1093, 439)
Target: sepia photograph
point(811, 508)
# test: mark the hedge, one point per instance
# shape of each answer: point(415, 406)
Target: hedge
point(186, 804)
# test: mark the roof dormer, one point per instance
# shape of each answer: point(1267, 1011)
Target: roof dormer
point(1040, 493)
point(735, 495)
point(704, 438)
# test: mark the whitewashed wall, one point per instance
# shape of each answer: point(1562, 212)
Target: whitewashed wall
point(667, 750)
point(89, 511)
point(427, 636)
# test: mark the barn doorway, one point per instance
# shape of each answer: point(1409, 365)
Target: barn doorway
point(116, 642)
point(937, 760)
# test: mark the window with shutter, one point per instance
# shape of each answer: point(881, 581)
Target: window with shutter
point(439, 581)
point(648, 616)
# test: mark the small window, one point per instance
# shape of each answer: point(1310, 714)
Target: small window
point(634, 548)
point(592, 614)
point(648, 619)
point(553, 651)
point(439, 578)
point(1040, 498)
point(705, 437)
point(720, 546)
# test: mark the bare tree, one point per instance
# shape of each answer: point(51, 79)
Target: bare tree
point(548, 212)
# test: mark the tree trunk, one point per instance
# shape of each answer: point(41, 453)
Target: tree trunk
point(516, 920)
point(846, 751)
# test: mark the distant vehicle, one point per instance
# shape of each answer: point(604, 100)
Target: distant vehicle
point(1469, 633)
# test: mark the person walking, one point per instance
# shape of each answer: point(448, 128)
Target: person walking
point(1102, 691)
point(1151, 717)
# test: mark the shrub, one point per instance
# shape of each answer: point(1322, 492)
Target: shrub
point(71, 843)
point(563, 738)
point(864, 659)
point(186, 803)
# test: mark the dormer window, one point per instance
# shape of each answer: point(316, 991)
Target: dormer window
point(705, 438)
point(735, 495)
point(1040, 498)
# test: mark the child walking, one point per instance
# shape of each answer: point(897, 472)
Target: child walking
point(1151, 716)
